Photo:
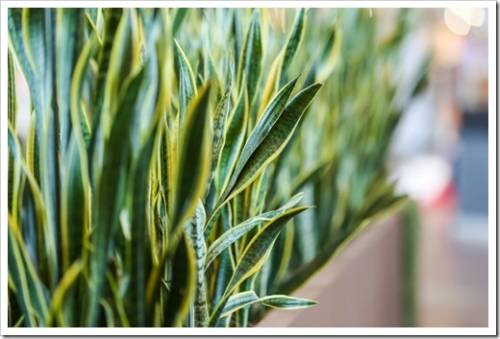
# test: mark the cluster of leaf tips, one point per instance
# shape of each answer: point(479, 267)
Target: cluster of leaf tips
point(168, 152)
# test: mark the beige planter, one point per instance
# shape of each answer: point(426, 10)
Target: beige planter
point(361, 287)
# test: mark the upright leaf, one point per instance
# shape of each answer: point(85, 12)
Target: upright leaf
point(187, 84)
point(193, 161)
point(250, 63)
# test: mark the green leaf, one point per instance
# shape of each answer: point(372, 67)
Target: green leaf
point(187, 84)
point(30, 291)
point(271, 114)
point(196, 232)
point(258, 249)
point(139, 232)
point(67, 47)
point(13, 184)
point(233, 141)
point(250, 63)
point(238, 301)
point(109, 196)
point(254, 256)
point(58, 298)
point(193, 162)
point(237, 232)
point(75, 216)
point(285, 302)
point(182, 290)
point(274, 141)
point(180, 15)
point(220, 118)
point(292, 45)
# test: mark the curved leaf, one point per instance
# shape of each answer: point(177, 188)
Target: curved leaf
point(274, 141)
point(238, 301)
point(237, 232)
point(270, 116)
point(254, 256)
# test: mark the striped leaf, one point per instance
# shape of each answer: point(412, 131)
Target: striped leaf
point(195, 231)
point(292, 45)
point(274, 141)
point(285, 302)
point(250, 62)
point(259, 133)
point(238, 301)
point(187, 84)
point(109, 196)
point(194, 160)
point(235, 233)
point(233, 141)
point(254, 256)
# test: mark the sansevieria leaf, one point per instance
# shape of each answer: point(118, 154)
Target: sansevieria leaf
point(238, 231)
point(271, 114)
point(238, 301)
point(292, 45)
point(286, 302)
point(193, 160)
point(249, 67)
point(254, 256)
point(109, 197)
point(274, 141)
point(187, 84)
point(183, 283)
point(195, 230)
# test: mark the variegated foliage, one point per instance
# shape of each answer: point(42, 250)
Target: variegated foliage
point(173, 154)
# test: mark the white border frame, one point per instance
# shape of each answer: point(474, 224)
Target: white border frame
point(492, 172)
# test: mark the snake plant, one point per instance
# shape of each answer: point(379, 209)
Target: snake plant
point(192, 167)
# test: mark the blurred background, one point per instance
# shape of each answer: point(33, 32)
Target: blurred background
point(441, 159)
point(428, 267)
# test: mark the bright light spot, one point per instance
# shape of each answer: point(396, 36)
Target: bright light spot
point(473, 16)
point(460, 20)
point(456, 23)
point(423, 177)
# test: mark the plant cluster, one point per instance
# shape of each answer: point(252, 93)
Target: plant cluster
point(192, 167)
